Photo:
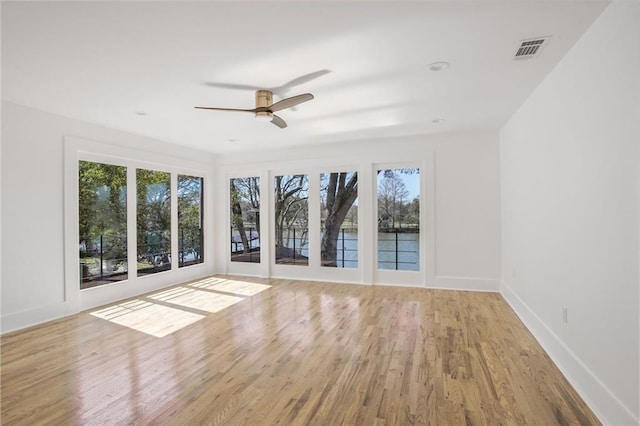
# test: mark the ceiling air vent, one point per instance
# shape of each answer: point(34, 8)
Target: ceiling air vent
point(530, 48)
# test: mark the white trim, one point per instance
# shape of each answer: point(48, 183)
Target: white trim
point(465, 283)
point(31, 317)
point(428, 216)
point(609, 409)
point(265, 221)
point(132, 208)
point(71, 232)
point(173, 226)
point(367, 186)
point(448, 283)
point(313, 220)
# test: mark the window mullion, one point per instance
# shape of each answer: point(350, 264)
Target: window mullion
point(174, 222)
point(132, 236)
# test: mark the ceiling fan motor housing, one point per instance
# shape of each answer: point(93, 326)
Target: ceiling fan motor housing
point(264, 99)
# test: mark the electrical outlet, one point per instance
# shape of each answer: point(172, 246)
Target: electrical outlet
point(565, 317)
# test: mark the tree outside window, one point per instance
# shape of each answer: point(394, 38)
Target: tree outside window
point(339, 216)
point(102, 214)
point(245, 219)
point(291, 215)
point(190, 232)
point(153, 221)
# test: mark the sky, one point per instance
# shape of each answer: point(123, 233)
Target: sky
point(412, 183)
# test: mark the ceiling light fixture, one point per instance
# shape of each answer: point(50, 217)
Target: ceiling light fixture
point(141, 113)
point(439, 66)
point(437, 120)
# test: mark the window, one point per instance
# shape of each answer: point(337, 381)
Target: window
point(291, 215)
point(398, 219)
point(190, 235)
point(154, 221)
point(245, 219)
point(102, 223)
point(339, 219)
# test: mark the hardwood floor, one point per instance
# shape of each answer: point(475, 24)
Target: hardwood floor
point(241, 351)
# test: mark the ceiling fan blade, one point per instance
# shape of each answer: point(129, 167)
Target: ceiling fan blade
point(232, 86)
point(289, 102)
point(227, 109)
point(279, 121)
point(303, 79)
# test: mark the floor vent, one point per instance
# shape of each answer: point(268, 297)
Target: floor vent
point(530, 48)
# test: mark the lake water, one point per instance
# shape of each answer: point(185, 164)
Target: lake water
point(407, 246)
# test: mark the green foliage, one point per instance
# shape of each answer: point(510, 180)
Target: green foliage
point(412, 216)
point(154, 212)
point(103, 211)
point(103, 207)
point(190, 215)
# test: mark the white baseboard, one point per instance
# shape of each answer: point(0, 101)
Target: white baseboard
point(31, 317)
point(437, 283)
point(609, 409)
point(465, 284)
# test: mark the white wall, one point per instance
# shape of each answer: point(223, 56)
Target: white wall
point(569, 172)
point(467, 196)
point(0, 179)
point(33, 274)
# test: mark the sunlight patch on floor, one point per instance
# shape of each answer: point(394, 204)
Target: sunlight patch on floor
point(147, 317)
point(196, 299)
point(152, 315)
point(241, 288)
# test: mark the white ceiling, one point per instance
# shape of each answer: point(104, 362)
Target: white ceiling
point(102, 62)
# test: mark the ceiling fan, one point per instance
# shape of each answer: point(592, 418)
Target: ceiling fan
point(281, 91)
point(265, 107)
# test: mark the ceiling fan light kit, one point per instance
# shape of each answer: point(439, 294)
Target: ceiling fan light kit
point(265, 108)
point(264, 116)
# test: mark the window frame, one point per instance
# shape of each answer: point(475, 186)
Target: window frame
point(365, 166)
point(310, 215)
point(129, 271)
point(426, 258)
point(171, 189)
point(201, 219)
point(228, 180)
point(77, 149)
point(339, 170)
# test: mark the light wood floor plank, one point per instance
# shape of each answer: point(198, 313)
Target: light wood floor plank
point(242, 351)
